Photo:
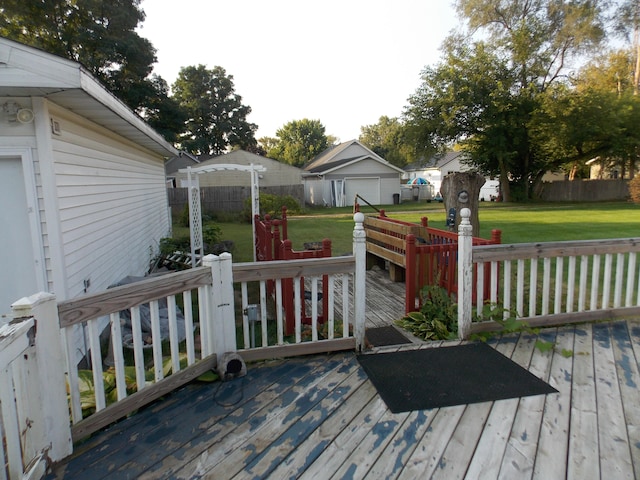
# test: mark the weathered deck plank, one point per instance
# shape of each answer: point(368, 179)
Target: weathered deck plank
point(615, 454)
point(319, 417)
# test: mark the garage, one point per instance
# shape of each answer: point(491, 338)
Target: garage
point(367, 188)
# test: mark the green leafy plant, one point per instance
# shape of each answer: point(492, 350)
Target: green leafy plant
point(437, 318)
point(509, 323)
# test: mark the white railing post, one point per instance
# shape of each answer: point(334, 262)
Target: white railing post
point(222, 324)
point(46, 395)
point(465, 273)
point(359, 284)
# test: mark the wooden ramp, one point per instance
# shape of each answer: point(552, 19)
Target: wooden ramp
point(320, 417)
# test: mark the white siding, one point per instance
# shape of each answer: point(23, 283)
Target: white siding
point(112, 203)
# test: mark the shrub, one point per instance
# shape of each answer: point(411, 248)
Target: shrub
point(437, 318)
point(272, 205)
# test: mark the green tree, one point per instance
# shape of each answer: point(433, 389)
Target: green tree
point(101, 35)
point(216, 117)
point(387, 138)
point(299, 141)
point(484, 92)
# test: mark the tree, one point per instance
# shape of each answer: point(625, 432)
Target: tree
point(102, 37)
point(387, 138)
point(299, 141)
point(216, 117)
point(484, 92)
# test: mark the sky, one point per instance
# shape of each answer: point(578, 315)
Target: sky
point(345, 63)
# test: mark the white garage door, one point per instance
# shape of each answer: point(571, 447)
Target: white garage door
point(367, 188)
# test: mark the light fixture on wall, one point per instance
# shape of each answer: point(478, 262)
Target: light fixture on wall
point(16, 114)
point(25, 115)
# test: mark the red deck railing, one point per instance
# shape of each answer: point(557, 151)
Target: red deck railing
point(427, 255)
point(272, 243)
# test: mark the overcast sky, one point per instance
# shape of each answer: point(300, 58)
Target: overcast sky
point(343, 62)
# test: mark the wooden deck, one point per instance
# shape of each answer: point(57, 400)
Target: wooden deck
point(320, 417)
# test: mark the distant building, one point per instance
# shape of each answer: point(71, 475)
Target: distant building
point(435, 168)
point(335, 176)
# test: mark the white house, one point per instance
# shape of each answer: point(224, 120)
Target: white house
point(335, 176)
point(439, 166)
point(83, 201)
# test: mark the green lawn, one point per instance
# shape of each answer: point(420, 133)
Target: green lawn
point(519, 223)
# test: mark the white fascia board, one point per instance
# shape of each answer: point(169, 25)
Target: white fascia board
point(110, 101)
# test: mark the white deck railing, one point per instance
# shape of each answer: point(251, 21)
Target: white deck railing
point(546, 283)
point(34, 422)
point(200, 314)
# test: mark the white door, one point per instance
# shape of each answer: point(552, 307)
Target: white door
point(367, 188)
point(18, 277)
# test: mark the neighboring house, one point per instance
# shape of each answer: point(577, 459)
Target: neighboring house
point(601, 169)
point(434, 169)
point(335, 176)
point(175, 163)
point(277, 173)
point(83, 201)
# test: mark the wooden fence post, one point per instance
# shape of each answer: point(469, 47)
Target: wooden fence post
point(222, 323)
point(47, 431)
point(465, 273)
point(360, 281)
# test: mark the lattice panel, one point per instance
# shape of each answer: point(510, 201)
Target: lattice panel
point(195, 219)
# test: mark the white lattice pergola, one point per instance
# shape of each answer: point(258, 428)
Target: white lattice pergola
point(195, 217)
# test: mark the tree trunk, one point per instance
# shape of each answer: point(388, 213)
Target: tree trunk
point(462, 190)
point(505, 192)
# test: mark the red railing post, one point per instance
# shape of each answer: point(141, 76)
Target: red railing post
point(285, 232)
point(287, 290)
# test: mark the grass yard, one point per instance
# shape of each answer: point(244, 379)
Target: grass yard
point(519, 223)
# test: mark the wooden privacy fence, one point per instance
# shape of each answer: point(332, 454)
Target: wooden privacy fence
point(273, 243)
point(546, 283)
point(418, 254)
point(205, 312)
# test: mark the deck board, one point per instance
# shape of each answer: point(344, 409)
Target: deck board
point(319, 417)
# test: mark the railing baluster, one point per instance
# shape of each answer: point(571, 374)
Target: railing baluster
point(314, 309)
point(606, 287)
point(279, 312)
point(582, 296)
point(297, 307)
point(617, 295)
point(507, 289)
point(595, 282)
point(571, 282)
point(263, 313)
point(631, 275)
point(187, 310)
point(96, 363)
point(245, 317)
point(173, 333)
point(346, 308)
point(479, 288)
point(118, 356)
point(520, 288)
point(329, 315)
point(533, 286)
point(138, 353)
point(156, 340)
point(546, 285)
point(557, 304)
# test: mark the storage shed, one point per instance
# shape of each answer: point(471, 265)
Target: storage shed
point(334, 177)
